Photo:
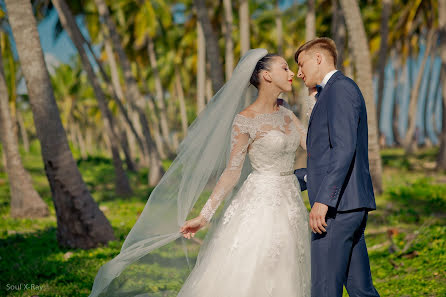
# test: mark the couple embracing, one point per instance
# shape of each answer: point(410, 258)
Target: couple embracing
point(264, 242)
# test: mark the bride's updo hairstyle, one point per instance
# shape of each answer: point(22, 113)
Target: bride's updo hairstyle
point(263, 64)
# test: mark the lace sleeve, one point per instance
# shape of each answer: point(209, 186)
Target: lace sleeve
point(240, 141)
point(311, 101)
point(302, 130)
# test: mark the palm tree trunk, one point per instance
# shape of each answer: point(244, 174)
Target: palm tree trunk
point(159, 142)
point(409, 141)
point(363, 65)
point(212, 49)
point(441, 158)
point(201, 68)
point(80, 141)
point(396, 108)
point(89, 141)
point(119, 98)
point(310, 21)
point(395, 116)
point(132, 92)
point(382, 56)
point(244, 20)
point(121, 180)
point(126, 150)
point(156, 170)
point(113, 69)
point(159, 93)
point(3, 164)
point(279, 28)
point(208, 90)
point(338, 32)
point(80, 222)
point(181, 100)
point(132, 145)
point(25, 201)
point(229, 43)
point(427, 108)
point(23, 132)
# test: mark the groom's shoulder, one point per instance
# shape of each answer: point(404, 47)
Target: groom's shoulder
point(347, 84)
point(342, 79)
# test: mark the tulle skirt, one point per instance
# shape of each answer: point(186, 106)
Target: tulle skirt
point(260, 247)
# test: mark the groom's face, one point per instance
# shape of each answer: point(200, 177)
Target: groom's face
point(308, 69)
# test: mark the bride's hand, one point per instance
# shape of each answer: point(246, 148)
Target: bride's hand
point(192, 226)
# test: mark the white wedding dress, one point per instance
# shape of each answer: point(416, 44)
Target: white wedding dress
point(261, 245)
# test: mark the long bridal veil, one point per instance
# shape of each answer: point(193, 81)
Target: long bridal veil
point(153, 260)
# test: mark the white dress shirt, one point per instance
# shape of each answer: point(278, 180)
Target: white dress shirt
point(327, 78)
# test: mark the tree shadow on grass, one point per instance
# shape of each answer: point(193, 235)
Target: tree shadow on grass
point(99, 175)
point(413, 203)
point(159, 273)
point(36, 258)
point(23, 258)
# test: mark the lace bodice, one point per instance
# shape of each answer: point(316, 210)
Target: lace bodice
point(270, 140)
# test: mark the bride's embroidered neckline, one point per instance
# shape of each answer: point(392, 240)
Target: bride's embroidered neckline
point(263, 114)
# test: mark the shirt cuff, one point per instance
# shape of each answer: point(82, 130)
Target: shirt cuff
point(305, 178)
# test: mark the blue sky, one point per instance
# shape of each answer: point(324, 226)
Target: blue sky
point(61, 48)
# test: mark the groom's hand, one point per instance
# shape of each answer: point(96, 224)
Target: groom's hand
point(317, 217)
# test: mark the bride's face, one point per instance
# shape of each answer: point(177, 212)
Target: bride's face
point(280, 74)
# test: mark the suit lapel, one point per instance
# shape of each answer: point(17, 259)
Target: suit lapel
point(333, 78)
point(323, 92)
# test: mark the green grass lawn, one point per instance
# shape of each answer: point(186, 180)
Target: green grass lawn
point(405, 235)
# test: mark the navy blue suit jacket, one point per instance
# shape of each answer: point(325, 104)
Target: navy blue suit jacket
point(337, 148)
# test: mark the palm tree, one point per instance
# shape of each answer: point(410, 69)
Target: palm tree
point(382, 56)
point(212, 48)
point(80, 222)
point(441, 159)
point(133, 94)
point(244, 20)
point(229, 43)
point(158, 91)
point(25, 201)
point(409, 141)
point(201, 68)
point(310, 21)
point(338, 32)
point(279, 27)
point(181, 100)
point(363, 65)
point(12, 76)
point(121, 180)
point(146, 24)
point(119, 98)
point(22, 128)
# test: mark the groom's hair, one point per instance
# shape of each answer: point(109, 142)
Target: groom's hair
point(319, 44)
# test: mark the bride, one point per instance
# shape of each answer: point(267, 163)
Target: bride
point(259, 245)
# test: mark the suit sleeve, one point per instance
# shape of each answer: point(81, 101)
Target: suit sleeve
point(300, 174)
point(343, 117)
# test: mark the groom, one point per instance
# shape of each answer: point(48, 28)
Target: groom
point(337, 175)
